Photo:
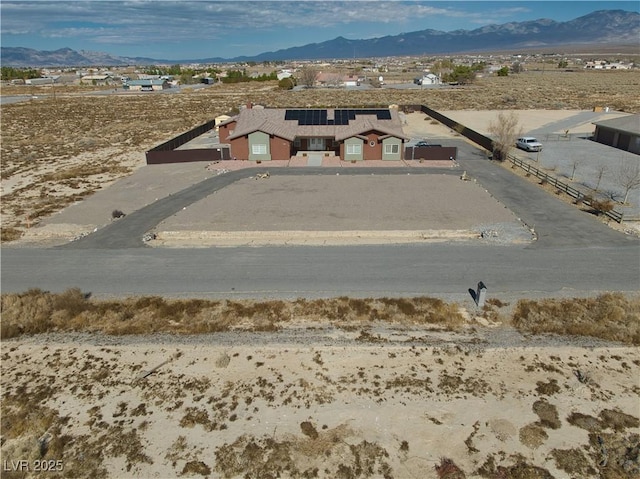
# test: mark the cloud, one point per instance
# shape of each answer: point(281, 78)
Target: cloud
point(128, 21)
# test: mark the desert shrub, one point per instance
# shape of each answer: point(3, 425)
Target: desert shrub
point(447, 469)
point(286, 84)
point(610, 316)
point(10, 234)
point(115, 214)
point(601, 206)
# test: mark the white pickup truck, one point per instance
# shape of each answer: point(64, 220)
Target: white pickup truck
point(529, 143)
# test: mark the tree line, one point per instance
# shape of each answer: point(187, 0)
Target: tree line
point(11, 73)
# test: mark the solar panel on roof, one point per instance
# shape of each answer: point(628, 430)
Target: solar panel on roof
point(340, 117)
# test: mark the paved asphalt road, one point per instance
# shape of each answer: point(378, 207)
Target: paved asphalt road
point(299, 271)
point(575, 253)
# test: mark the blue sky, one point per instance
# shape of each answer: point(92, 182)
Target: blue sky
point(203, 29)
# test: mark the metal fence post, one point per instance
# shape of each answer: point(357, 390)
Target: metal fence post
point(481, 294)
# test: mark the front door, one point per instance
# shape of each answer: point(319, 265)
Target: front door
point(316, 144)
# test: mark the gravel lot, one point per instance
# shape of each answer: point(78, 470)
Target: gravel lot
point(371, 207)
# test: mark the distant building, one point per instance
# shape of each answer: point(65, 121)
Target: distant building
point(146, 85)
point(101, 79)
point(285, 73)
point(427, 79)
point(604, 65)
point(42, 81)
point(337, 80)
point(278, 134)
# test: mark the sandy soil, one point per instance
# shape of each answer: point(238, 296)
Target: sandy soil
point(356, 403)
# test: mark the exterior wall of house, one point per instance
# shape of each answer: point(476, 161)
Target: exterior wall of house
point(225, 130)
point(239, 148)
point(623, 141)
point(256, 139)
point(391, 142)
point(280, 148)
point(354, 156)
point(372, 147)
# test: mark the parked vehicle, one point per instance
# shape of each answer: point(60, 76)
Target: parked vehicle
point(423, 143)
point(529, 143)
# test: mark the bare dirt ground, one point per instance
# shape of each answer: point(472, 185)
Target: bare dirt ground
point(366, 403)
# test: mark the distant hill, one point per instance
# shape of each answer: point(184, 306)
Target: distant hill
point(65, 57)
point(601, 27)
point(604, 27)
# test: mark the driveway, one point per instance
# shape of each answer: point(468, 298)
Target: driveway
point(575, 254)
point(555, 222)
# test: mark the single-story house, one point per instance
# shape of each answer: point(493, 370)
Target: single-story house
point(622, 133)
point(284, 74)
point(101, 79)
point(278, 134)
point(42, 81)
point(147, 85)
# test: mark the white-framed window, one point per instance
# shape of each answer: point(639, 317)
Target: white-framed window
point(297, 142)
point(259, 149)
point(354, 149)
point(392, 149)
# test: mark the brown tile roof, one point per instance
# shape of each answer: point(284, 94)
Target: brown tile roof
point(271, 121)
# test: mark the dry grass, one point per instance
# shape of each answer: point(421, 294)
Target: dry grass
point(611, 316)
point(57, 149)
point(326, 453)
point(36, 311)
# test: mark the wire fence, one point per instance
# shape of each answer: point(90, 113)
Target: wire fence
point(565, 136)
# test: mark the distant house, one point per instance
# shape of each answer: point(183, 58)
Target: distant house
point(42, 81)
point(427, 79)
point(605, 65)
point(278, 134)
point(101, 79)
point(622, 133)
point(337, 80)
point(147, 85)
point(282, 74)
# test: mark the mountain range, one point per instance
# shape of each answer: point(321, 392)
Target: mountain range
point(604, 27)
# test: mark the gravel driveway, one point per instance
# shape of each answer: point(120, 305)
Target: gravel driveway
point(372, 208)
